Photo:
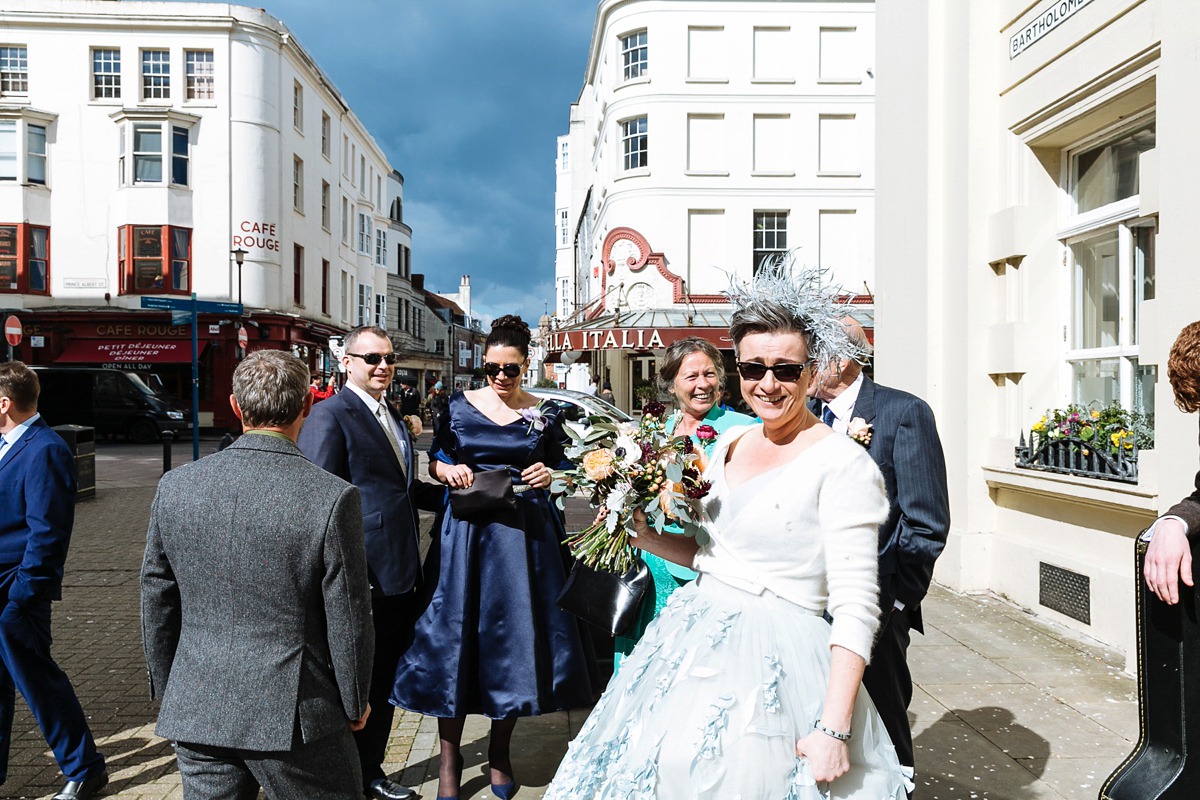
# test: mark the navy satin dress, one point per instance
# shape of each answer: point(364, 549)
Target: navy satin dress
point(490, 639)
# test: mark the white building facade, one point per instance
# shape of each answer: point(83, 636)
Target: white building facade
point(1036, 201)
point(142, 142)
point(707, 137)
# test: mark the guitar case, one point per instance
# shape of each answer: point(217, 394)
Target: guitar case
point(1165, 763)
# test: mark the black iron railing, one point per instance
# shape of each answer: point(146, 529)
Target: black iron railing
point(1072, 456)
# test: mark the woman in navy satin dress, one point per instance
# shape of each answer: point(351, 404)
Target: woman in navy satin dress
point(490, 639)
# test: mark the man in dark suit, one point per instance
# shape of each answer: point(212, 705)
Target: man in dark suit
point(1169, 554)
point(256, 613)
point(359, 437)
point(37, 512)
point(904, 442)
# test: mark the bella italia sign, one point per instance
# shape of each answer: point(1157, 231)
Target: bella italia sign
point(1043, 23)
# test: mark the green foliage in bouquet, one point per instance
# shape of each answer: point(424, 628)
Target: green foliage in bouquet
point(622, 468)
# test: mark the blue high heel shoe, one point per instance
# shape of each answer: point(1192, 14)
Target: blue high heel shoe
point(460, 771)
point(503, 790)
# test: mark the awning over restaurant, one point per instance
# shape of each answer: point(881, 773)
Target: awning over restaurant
point(643, 331)
point(146, 351)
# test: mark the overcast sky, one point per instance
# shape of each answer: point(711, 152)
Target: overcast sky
point(466, 98)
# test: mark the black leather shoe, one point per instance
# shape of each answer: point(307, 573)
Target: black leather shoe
point(390, 790)
point(81, 790)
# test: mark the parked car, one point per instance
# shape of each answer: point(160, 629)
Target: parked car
point(113, 401)
point(578, 406)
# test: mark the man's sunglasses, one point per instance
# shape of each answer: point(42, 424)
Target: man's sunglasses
point(784, 373)
point(509, 370)
point(374, 358)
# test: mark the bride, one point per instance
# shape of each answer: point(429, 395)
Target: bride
point(740, 688)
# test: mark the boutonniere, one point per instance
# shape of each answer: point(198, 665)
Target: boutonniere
point(860, 431)
point(536, 417)
point(413, 423)
point(707, 435)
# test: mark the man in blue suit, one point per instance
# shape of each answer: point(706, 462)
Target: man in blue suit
point(359, 437)
point(901, 436)
point(37, 511)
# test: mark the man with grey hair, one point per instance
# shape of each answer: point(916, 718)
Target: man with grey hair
point(899, 432)
point(256, 609)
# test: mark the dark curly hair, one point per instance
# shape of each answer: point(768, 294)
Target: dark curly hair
point(509, 331)
point(1183, 368)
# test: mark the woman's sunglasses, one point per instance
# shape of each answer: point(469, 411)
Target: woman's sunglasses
point(509, 370)
point(784, 373)
point(374, 358)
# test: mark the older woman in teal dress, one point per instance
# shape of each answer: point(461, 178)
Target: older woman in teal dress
point(692, 370)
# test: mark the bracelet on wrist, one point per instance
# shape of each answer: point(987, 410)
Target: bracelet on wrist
point(841, 737)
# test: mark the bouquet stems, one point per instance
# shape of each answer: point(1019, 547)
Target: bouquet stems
point(595, 548)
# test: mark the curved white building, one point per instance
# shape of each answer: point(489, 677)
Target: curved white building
point(708, 136)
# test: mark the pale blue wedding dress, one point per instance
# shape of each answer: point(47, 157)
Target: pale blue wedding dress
point(711, 702)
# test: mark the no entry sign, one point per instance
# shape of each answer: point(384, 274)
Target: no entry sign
point(12, 330)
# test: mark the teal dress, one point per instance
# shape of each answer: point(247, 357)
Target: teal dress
point(669, 576)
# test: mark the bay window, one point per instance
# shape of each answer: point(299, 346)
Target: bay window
point(24, 259)
point(23, 152)
point(154, 259)
point(364, 233)
point(35, 153)
point(8, 149)
point(154, 147)
point(147, 153)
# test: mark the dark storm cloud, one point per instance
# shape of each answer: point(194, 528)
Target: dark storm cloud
point(466, 98)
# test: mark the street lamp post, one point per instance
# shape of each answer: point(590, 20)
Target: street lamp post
point(239, 256)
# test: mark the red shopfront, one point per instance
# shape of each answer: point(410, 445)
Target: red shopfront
point(147, 341)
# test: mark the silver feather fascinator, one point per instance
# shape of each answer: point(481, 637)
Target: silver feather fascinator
point(803, 294)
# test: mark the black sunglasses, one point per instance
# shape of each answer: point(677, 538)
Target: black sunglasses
point(375, 358)
point(492, 370)
point(785, 373)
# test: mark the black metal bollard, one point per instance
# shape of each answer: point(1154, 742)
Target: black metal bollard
point(1165, 764)
point(168, 437)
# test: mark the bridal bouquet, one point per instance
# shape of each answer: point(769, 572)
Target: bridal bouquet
point(623, 467)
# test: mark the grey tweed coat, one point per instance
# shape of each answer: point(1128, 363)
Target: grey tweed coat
point(256, 610)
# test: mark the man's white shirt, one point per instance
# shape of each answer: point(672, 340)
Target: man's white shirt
point(373, 406)
point(842, 406)
point(14, 436)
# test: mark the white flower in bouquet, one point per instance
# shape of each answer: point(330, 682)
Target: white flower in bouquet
point(627, 451)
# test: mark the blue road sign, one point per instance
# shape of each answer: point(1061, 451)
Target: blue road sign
point(186, 304)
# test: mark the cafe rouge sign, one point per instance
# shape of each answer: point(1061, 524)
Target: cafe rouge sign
point(118, 329)
point(632, 338)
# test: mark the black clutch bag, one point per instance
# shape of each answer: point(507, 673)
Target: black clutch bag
point(490, 491)
point(605, 599)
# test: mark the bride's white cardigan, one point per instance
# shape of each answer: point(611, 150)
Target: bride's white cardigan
point(810, 535)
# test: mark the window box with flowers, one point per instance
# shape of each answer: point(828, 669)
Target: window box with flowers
point(1094, 443)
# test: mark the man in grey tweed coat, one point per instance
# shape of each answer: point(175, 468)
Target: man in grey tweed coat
point(256, 608)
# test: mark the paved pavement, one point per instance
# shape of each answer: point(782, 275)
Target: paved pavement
point(1007, 707)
